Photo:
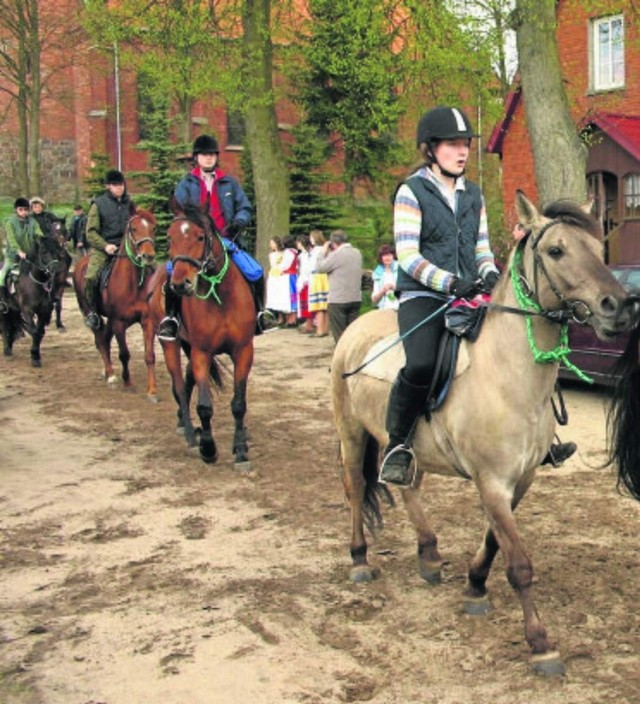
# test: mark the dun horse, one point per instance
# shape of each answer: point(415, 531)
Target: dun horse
point(497, 421)
point(31, 305)
point(123, 300)
point(217, 316)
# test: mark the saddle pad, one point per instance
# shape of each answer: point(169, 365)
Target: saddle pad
point(388, 364)
point(391, 360)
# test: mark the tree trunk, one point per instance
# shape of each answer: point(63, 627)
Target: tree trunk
point(270, 174)
point(33, 34)
point(559, 155)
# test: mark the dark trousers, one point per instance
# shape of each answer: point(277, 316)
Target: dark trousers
point(341, 315)
point(421, 346)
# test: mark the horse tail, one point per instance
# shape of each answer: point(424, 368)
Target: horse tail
point(373, 490)
point(623, 419)
point(215, 373)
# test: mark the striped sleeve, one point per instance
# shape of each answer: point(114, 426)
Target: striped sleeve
point(484, 256)
point(407, 223)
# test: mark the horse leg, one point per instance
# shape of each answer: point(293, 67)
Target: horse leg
point(359, 454)
point(519, 570)
point(150, 358)
point(120, 331)
point(429, 559)
point(477, 602)
point(204, 407)
point(171, 351)
point(241, 368)
point(36, 340)
point(58, 308)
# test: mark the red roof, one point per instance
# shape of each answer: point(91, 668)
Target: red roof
point(622, 129)
point(494, 145)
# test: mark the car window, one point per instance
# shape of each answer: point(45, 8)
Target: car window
point(632, 281)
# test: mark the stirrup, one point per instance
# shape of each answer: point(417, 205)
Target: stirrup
point(93, 321)
point(266, 321)
point(168, 329)
point(410, 472)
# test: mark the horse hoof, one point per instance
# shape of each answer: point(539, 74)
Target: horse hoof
point(477, 606)
point(62, 329)
point(112, 380)
point(548, 664)
point(242, 466)
point(180, 430)
point(209, 458)
point(8, 353)
point(152, 398)
point(361, 574)
point(431, 573)
point(36, 363)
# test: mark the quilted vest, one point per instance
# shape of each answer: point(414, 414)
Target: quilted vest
point(114, 216)
point(447, 239)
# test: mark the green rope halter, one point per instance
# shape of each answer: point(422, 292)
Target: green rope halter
point(214, 279)
point(561, 352)
point(134, 259)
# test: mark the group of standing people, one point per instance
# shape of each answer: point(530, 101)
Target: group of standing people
point(315, 280)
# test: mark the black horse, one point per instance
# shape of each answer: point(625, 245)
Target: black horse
point(31, 299)
point(58, 231)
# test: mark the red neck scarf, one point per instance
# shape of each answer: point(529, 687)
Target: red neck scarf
point(215, 210)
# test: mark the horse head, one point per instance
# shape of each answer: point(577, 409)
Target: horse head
point(139, 239)
point(559, 265)
point(58, 230)
point(189, 244)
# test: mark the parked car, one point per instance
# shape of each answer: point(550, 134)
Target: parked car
point(597, 357)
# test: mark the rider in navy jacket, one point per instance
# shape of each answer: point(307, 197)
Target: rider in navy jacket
point(229, 210)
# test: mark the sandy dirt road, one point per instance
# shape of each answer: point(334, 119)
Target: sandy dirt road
point(133, 573)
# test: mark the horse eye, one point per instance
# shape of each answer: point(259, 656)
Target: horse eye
point(201, 239)
point(555, 252)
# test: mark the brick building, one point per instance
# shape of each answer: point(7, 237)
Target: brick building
point(90, 107)
point(600, 58)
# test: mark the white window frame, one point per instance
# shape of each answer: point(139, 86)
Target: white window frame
point(603, 60)
point(631, 196)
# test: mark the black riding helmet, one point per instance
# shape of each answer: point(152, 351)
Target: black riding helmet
point(21, 203)
point(205, 144)
point(114, 177)
point(444, 123)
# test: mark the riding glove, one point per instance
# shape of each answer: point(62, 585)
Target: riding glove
point(233, 230)
point(490, 281)
point(463, 288)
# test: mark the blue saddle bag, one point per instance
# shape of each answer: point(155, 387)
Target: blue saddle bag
point(250, 268)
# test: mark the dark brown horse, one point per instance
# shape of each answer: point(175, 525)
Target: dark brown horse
point(217, 316)
point(59, 233)
point(31, 304)
point(123, 300)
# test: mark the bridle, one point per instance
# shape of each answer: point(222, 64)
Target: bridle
point(206, 266)
point(132, 245)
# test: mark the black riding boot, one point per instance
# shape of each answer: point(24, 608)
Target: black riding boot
point(406, 402)
point(265, 320)
point(4, 299)
point(168, 328)
point(93, 319)
point(559, 453)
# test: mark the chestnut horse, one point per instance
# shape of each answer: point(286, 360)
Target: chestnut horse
point(497, 422)
point(217, 315)
point(123, 301)
point(31, 305)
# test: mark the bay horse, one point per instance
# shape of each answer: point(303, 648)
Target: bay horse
point(217, 315)
point(31, 304)
point(123, 301)
point(59, 233)
point(497, 421)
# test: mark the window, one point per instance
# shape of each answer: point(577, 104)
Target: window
point(632, 196)
point(607, 51)
point(235, 129)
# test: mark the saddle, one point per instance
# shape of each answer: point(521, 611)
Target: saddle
point(461, 320)
point(105, 274)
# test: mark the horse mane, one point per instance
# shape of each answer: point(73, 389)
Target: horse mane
point(570, 213)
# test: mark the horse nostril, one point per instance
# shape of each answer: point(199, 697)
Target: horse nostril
point(609, 305)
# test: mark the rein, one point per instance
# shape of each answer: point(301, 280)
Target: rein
point(203, 265)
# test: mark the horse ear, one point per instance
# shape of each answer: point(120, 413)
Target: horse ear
point(528, 214)
point(588, 206)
